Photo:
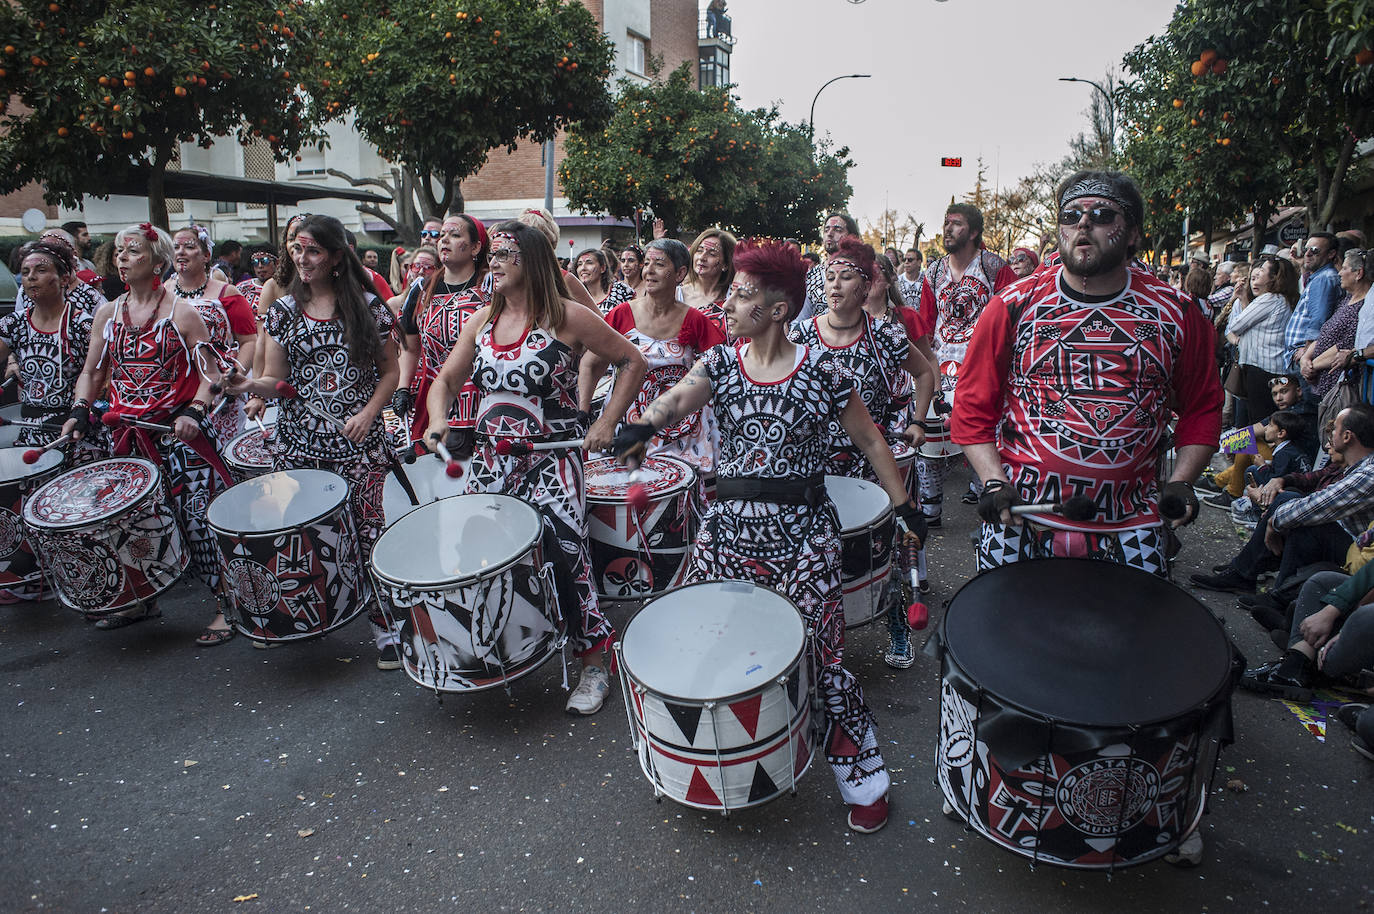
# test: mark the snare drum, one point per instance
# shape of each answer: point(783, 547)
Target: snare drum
point(1049, 745)
point(20, 575)
point(467, 577)
point(867, 531)
point(289, 549)
point(106, 535)
point(246, 454)
point(718, 691)
point(429, 480)
point(639, 555)
point(938, 442)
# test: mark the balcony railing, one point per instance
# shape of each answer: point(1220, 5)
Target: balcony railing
point(715, 26)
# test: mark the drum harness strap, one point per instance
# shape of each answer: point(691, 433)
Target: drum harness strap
point(809, 490)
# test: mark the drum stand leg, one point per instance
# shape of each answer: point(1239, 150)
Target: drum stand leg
point(791, 740)
point(1040, 807)
point(546, 573)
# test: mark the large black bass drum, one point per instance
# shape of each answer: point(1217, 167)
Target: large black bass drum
point(1083, 705)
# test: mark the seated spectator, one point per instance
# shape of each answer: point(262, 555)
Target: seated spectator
point(1313, 528)
point(1331, 637)
point(1285, 394)
point(1280, 432)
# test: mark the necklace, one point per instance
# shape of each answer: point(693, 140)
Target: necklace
point(831, 324)
point(129, 303)
point(192, 293)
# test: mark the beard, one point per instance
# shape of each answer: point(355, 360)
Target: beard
point(1093, 260)
point(954, 243)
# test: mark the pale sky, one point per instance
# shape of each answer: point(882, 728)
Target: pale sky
point(958, 78)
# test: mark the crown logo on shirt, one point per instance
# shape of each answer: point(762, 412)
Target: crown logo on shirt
point(1098, 332)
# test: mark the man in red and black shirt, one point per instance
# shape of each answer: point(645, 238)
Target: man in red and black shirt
point(1067, 389)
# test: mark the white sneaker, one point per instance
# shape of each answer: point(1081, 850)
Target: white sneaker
point(1189, 853)
point(590, 693)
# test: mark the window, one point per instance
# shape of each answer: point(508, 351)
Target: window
point(311, 163)
point(636, 53)
point(225, 209)
point(714, 67)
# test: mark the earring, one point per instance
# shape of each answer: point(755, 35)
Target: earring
point(335, 273)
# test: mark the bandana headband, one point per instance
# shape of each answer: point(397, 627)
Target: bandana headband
point(837, 262)
point(1094, 187)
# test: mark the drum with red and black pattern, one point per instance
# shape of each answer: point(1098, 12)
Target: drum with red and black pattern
point(718, 683)
point(288, 545)
point(246, 455)
point(21, 578)
point(1082, 710)
point(905, 456)
point(636, 555)
point(107, 535)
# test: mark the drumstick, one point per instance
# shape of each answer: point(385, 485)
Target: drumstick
point(287, 392)
point(110, 420)
point(8, 381)
point(453, 468)
point(29, 423)
point(33, 453)
point(217, 387)
point(1079, 507)
point(262, 428)
point(518, 446)
point(917, 615)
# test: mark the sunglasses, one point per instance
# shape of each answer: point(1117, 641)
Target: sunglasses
point(429, 233)
point(1098, 215)
point(263, 260)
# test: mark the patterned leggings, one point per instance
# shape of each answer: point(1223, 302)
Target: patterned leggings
point(192, 484)
point(1141, 548)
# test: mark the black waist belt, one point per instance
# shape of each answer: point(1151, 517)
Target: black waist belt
point(809, 491)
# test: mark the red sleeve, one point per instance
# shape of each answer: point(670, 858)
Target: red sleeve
point(982, 377)
point(383, 290)
point(925, 318)
point(621, 318)
point(242, 320)
point(1005, 277)
point(699, 331)
point(1196, 382)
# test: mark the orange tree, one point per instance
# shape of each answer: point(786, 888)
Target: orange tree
point(99, 89)
point(436, 86)
point(695, 158)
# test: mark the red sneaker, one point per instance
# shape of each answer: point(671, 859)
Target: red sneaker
point(870, 818)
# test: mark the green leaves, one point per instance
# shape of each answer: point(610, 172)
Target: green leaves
point(695, 158)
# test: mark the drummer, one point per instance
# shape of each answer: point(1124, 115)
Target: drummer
point(49, 341)
point(671, 335)
point(872, 355)
point(142, 346)
point(519, 351)
point(772, 521)
point(431, 319)
point(330, 337)
point(1067, 389)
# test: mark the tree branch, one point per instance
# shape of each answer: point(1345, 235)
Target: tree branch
point(367, 209)
point(363, 182)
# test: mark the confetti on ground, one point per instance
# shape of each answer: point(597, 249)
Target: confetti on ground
point(189, 762)
point(245, 897)
point(305, 832)
point(1349, 828)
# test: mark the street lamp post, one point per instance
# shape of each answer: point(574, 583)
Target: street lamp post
point(1106, 96)
point(811, 121)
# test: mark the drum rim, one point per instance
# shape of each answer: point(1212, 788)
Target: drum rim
point(229, 449)
point(688, 481)
point(343, 501)
point(618, 647)
point(104, 519)
point(1219, 692)
point(484, 574)
point(35, 466)
point(886, 515)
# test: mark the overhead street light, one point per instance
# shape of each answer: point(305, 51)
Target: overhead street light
point(1106, 96)
point(811, 121)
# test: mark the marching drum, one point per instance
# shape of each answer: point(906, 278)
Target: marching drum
point(246, 453)
point(20, 575)
point(468, 579)
point(292, 565)
point(639, 555)
point(1082, 710)
point(905, 456)
point(867, 531)
point(938, 442)
point(106, 535)
point(718, 685)
point(430, 481)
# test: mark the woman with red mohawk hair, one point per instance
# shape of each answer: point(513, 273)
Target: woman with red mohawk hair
point(772, 522)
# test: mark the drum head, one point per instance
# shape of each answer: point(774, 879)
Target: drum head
point(608, 481)
point(428, 477)
point(858, 502)
point(13, 467)
point(277, 501)
point(92, 493)
point(712, 640)
point(1087, 642)
point(454, 539)
point(9, 434)
point(249, 449)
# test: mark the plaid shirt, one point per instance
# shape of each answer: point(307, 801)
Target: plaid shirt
point(1318, 301)
point(1218, 299)
point(1349, 502)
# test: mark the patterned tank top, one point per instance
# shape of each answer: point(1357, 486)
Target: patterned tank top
point(151, 372)
point(528, 388)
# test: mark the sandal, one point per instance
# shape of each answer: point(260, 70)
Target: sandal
point(213, 637)
point(112, 622)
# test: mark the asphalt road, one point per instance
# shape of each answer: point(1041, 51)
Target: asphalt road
point(141, 773)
